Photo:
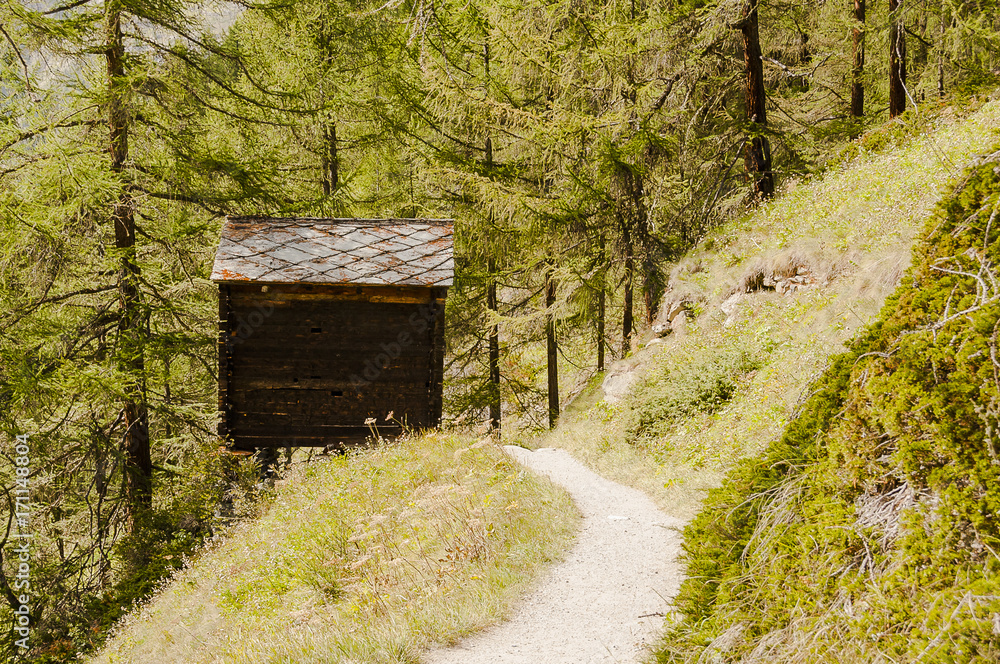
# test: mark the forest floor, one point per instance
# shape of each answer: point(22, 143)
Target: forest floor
point(607, 600)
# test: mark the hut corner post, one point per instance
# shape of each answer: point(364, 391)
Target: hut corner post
point(225, 364)
point(436, 385)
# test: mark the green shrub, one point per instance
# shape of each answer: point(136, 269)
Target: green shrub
point(701, 383)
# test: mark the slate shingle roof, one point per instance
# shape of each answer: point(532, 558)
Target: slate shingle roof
point(386, 252)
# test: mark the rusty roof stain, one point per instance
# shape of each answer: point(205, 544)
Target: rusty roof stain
point(385, 252)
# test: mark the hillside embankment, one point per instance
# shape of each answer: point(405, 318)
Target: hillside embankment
point(869, 531)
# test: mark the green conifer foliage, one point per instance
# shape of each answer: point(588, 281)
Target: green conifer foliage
point(107, 336)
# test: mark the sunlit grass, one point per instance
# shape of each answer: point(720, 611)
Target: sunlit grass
point(367, 557)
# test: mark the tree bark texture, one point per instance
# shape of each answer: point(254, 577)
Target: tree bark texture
point(552, 348)
point(491, 299)
point(492, 305)
point(629, 247)
point(601, 300)
point(942, 27)
point(897, 60)
point(857, 73)
point(757, 154)
point(328, 155)
point(330, 159)
point(131, 325)
point(652, 287)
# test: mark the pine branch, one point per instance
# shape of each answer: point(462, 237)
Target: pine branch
point(26, 135)
point(191, 62)
point(67, 7)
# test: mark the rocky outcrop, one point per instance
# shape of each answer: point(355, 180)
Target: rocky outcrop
point(618, 382)
point(784, 273)
point(674, 312)
point(781, 283)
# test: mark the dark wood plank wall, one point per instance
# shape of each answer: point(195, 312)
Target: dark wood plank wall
point(224, 361)
point(308, 365)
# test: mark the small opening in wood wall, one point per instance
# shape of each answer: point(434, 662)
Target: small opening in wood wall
point(336, 393)
point(316, 330)
point(315, 377)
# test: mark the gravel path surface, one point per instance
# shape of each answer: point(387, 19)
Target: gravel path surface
point(605, 602)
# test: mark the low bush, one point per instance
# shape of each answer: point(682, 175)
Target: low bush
point(703, 382)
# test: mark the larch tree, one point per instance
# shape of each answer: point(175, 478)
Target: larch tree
point(132, 336)
point(469, 158)
point(757, 152)
point(858, 57)
point(107, 323)
point(897, 59)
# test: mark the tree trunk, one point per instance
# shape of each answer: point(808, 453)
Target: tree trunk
point(330, 159)
point(857, 83)
point(943, 21)
point(168, 429)
point(491, 287)
point(897, 60)
point(757, 155)
point(131, 326)
point(601, 300)
point(920, 57)
point(492, 305)
point(652, 286)
point(629, 287)
point(552, 349)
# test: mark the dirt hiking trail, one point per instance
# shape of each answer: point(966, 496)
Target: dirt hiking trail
point(606, 601)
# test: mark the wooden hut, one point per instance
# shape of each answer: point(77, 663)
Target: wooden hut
point(330, 328)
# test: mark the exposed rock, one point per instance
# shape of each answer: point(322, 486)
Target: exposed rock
point(785, 273)
point(731, 307)
point(679, 325)
point(617, 383)
point(675, 309)
point(673, 313)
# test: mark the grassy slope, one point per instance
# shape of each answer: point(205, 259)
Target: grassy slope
point(869, 531)
point(363, 558)
point(852, 228)
point(726, 390)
